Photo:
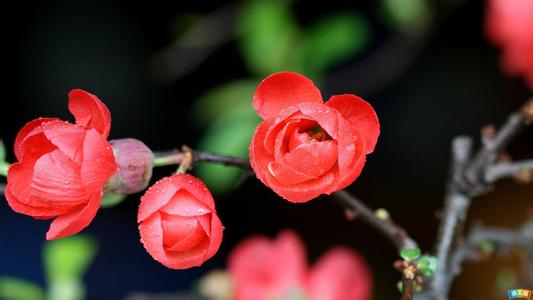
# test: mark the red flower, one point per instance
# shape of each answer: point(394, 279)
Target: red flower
point(261, 268)
point(508, 25)
point(340, 274)
point(305, 147)
point(179, 225)
point(62, 167)
point(264, 269)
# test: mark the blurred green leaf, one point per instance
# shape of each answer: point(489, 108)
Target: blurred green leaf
point(2, 151)
point(410, 253)
point(334, 39)
point(111, 200)
point(17, 289)
point(269, 33)
point(427, 265)
point(409, 16)
point(223, 98)
point(230, 135)
point(67, 289)
point(399, 286)
point(485, 246)
point(68, 258)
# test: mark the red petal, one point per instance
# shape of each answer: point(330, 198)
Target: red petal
point(18, 193)
point(348, 176)
point(66, 137)
point(56, 182)
point(313, 158)
point(157, 196)
point(301, 192)
point(89, 111)
point(286, 174)
point(340, 274)
point(259, 157)
point(152, 237)
point(196, 188)
point(76, 220)
point(181, 233)
point(361, 116)
point(323, 115)
point(281, 90)
point(25, 131)
point(215, 235)
point(98, 161)
point(185, 205)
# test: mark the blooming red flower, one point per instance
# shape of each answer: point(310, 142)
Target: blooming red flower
point(305, 147)
point(62, 167)
point(261, 268)
point(508, 25)
point(179, 225)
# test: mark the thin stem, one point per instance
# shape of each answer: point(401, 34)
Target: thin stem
point(408, 288)
point(186, 162)
point(175, 157)
point(518, 169)
point(396, 234)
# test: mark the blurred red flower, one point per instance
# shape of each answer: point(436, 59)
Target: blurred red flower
point(62, 167)
point(509, 25)
point(261, 268)
point(305, 147)
point(179, 225)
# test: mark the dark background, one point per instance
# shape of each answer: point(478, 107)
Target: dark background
point(453, 87)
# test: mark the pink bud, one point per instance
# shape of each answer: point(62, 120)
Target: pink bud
point(135, 161)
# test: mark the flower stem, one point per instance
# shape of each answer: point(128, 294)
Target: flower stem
point(168, 159)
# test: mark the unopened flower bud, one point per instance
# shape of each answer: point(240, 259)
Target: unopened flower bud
point(135, 161)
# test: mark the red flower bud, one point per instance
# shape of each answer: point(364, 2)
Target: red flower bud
point(135, 162)
point(178, 222)
point(305, 147)
point(62, 167)
point(508, 25)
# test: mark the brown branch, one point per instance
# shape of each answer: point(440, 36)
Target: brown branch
point(521, 170)
point(396, 234)
point(470, 178)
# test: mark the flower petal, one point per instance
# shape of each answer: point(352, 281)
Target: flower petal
point(56, 182)
point(186, 205)
point(98, 162)
point(281, 90)
point(26, 131)
point(313, 158)
point(259, 157)
point(66, 137)
point(361, 117)
point(89, 111)
point(18, 192)
point(340, 274)
point(76, 220)
point(286, 174)
point(304, 191)
point(180, 233)
point(157, 196)
point(196, 188)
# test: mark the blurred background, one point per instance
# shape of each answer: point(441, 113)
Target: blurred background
point(175, 73)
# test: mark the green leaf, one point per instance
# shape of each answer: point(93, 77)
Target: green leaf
point(399, 286)
point(230, 135)
point(111, 200)
point(269, 33)
point(67, 289)
point(427, 265)
point(409, 16)
point(68, 258)
point(18, 289)
point(334, 39)
point(2, 151)
point(222, 99)
point(410, 253)
point(485, 246)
